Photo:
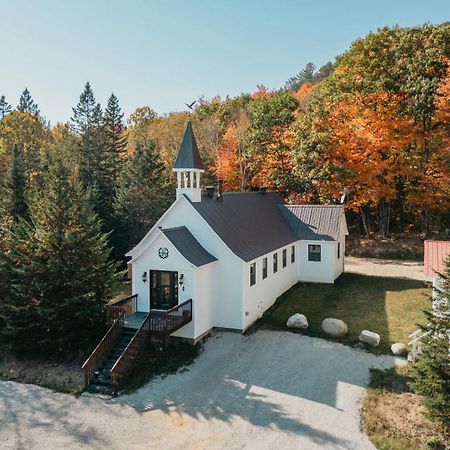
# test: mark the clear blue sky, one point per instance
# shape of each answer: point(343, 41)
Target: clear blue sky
point(165, 53)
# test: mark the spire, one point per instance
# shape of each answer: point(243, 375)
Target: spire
point(189, 167)
point(188, 156)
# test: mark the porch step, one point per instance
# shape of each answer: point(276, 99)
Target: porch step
point(101, 383)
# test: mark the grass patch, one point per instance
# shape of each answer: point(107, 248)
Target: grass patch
point(395, 418)
point(391, 307)
point(152, 363)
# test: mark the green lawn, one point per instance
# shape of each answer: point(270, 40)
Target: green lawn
point(391, 307)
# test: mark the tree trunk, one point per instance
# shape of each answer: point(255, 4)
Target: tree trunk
point(364, 221)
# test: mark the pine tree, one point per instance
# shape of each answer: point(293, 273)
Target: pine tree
point(27, 104)
point(56, 275)
point(116, 142)
point(13, 193)
point(91, 147)
point(432, 370)
point(5, 107)
point(143, 194)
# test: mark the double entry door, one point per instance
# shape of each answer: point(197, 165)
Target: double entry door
point(163, 289)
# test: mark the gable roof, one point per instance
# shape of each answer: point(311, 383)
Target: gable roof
point(249, 223)
point(435, 255)
point(314, 222)
point(188, 246)
point(188, 155)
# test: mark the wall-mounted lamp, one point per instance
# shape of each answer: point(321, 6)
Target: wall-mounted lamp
point(144, 277)
point(180, 281)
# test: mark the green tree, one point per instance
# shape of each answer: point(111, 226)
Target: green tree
point(26, 131)
point(91, 149)
point(116, 143)
point(306, 75)
point(14, 186)
point(143, 194)
point(56, 275)
point(432, 369)
point(27, 104)
point(5, 107)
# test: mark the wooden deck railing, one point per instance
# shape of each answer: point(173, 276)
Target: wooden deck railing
point(127, 359)
point(163, 323)
point(127, 305)
point(103, 348)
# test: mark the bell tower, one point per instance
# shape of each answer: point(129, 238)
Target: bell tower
point(188, 167)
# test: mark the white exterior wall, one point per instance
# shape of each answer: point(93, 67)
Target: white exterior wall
point(339, 263)
point(221, 281)
point(317, 271)
point(262, 295)
point(175, 262)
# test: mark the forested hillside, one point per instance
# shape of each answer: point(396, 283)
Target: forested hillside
point(375, 122)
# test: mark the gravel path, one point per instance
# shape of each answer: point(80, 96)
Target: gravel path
point(269, 390)
point(386, 268)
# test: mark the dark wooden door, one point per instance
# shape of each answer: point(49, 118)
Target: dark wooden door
point(163, 289)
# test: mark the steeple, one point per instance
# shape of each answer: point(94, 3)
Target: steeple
point(188, 167)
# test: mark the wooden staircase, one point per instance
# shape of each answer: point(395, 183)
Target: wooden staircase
point(101, 381)
point(115, 356)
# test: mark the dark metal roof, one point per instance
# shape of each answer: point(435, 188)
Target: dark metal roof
point(250, 223)
point(188, 246)
point(314, 222)
point(188, 155)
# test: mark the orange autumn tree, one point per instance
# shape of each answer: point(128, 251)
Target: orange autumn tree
point(430, 184)
point(227, 164)
point(367, 152)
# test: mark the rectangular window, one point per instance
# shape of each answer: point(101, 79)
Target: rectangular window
point(284, 258)
point(339, 250)
point(293, 254)
point(314, 252)
point(264, 272)
point(275, 262)
point(252, 274)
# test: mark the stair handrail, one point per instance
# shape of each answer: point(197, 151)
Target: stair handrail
point(131, 352)
point(94, 360)
point(127, 304)
point(415, 340)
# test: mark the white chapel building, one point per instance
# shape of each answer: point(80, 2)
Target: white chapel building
point(232, 253)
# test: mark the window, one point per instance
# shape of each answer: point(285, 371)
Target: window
point(275, 262)
point(252, 274)
point(293, 254)
point(339, 250)
point(264, 271)
point(284, 258)
point(314, 252)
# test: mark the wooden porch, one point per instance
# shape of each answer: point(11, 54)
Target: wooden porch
point(130, 331)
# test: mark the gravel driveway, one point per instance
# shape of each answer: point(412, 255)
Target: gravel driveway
point(386, 268)
point(269, 390)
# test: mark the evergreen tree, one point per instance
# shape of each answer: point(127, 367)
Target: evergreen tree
point(116, 143)
point(5, 107)
point(27, 104)
point(56, 275)
point(432, 370)
point(13, 204)
point(91, 147)
point(143, 194)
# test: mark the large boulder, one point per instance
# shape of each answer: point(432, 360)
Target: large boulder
point(369, 338)
point(297, 321)
point(399, 349)
point(334, 327)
